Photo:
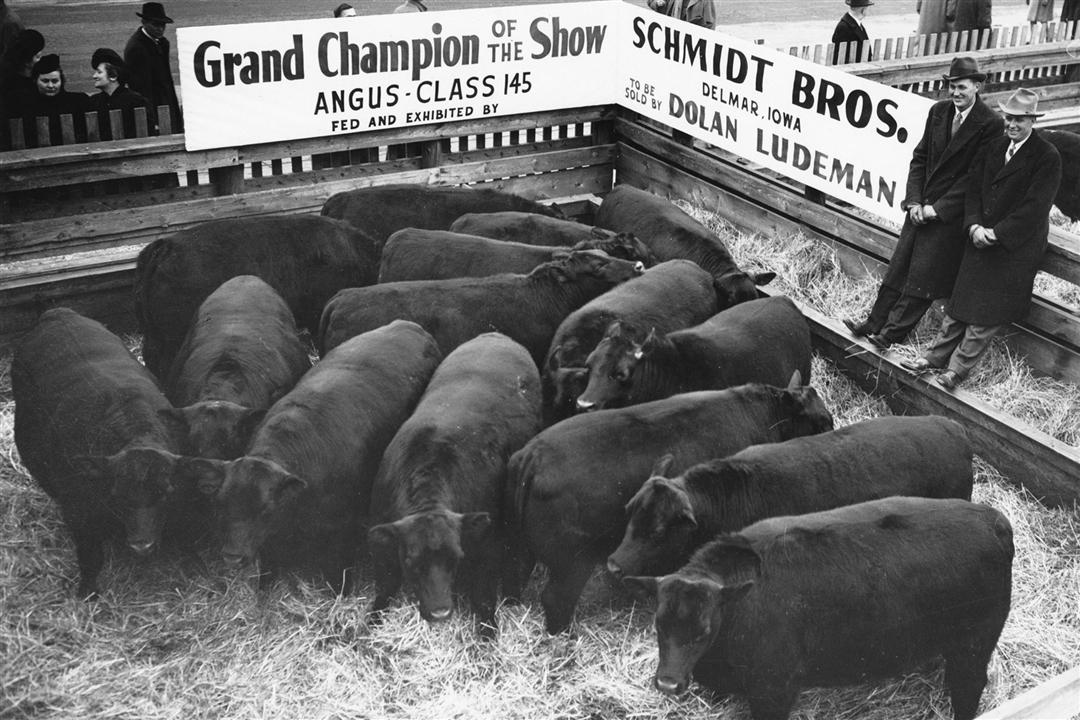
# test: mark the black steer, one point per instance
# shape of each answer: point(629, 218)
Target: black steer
point(438, 493)
point(527, 228)
point(90, 427)
point(570, 483)
point(413, 254)
point(305, 259)
point(241, 355)
point(295, 498)
point(670, 233)
point(1068, 194)
point(527, 308)
point(671, 517)
point(674, 294)
point(382, 210)
point(761, 341)
point(837, 597)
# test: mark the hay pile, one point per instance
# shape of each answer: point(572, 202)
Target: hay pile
point(809, 271)
point(171, 639)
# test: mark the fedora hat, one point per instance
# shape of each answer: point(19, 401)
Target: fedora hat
point(1022, 102)
point(964, 67)
point(859, 3)
point(154, 11)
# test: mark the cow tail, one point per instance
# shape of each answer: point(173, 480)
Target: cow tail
point(519, 482)
point(147, 262)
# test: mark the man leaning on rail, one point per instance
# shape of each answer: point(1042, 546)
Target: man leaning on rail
point(927, 256)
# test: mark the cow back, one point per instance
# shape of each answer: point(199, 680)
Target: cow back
point(383, 210)
point(415, 254)
point(481, 406)
point(304, 259)
point(526, 228)
point(1068, 194)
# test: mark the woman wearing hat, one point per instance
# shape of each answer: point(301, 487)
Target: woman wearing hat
point(146, 57)
point(52, 100)
point(927, 257)
point(1006, 217)
point(110, 77)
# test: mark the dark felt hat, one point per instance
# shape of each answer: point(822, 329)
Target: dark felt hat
point(154, 11)
point(964, 67)
point(342, 8)
point(26, 45)
point(106, 55)
point(859, 3)
point(47, 64)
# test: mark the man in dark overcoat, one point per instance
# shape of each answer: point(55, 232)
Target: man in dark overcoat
point(1006, 217)
point(927, 256)
point(146, 60)
point(850, 29)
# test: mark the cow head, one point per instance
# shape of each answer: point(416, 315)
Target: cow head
point(625, 246)
point(611, 367)
point(660, 526)
point(140, 480)
point(429, 546)
point(737, 287)
point(578, 264)
point(691, 609)
point(215, 429)
point(253, 497)
point(803, 409)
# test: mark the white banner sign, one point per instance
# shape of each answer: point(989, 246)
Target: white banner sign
point(262, 82)
point(849, 137)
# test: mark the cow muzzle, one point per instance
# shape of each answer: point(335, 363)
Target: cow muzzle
point(142, 548)
point(232, 560)
point(614, 568)
point(585, 405)
point(669, 686)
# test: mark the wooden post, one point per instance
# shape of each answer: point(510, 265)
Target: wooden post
point(227, 180)
point(431, 154)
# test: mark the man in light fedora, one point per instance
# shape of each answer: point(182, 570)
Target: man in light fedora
point(1006, 217)
point(927, 256)
point(146, 59)
point(850, 29)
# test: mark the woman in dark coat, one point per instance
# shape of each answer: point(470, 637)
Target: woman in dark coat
point(114, 94)
point(1012, 187)
point(52, 100)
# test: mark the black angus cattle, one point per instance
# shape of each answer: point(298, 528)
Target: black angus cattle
point(674, 294)
point(670, 233)
point(305, 259)
point(241, 355)
point(1068, 195)
point(571, 482)
point(383, 210)
point(89, 427)
point(671, 517)
point(838, 597)
point(293, 500)
point(761, 341)
point(527, 228)
point(527, 308)
point(413, 254)
point(437, 498)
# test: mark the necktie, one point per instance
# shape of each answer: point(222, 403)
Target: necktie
point(957, 121)
point(1010, 152)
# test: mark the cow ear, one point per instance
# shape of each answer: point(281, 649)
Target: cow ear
point(730, 594)
point(735, 561)
point(382, 540)
point(796, 381)
point(662, 465)
point(643, 588)
point(249, 421)
point(763, 278)
point(203, 474)
point(288, 484)
point(474, 527)
point(647, 345)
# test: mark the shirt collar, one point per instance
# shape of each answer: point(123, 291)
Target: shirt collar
point(152, 38)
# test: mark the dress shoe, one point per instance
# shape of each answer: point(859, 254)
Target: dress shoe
point(878, 341)
point(858, 329)
point(917, 366)
point(949, 380)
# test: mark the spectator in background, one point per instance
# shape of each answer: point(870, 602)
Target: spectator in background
point(924, 264)
point(10, 26)
point(695, 12)
point(146, 59)
point(850, 29)
point(971, 15)
point(1006, 218)
point(1040, 12)
point(114, 94)
point(344, 10)
point(410, 6)
point(931, 17)
point(52, 100)
point(17, 87)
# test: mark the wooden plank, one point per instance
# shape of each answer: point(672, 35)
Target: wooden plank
point(1055, 699)
point(119, 227)
point(992, 60)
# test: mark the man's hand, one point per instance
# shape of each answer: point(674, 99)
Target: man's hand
point(929, 213)
point(915, 213)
